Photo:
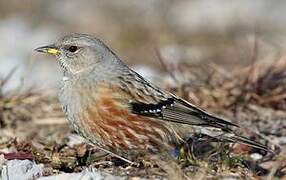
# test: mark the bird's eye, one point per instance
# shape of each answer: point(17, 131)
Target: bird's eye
point(72, 49)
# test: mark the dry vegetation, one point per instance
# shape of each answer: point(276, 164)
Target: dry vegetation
point(32, 126)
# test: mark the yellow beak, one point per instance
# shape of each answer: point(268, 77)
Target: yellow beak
point(51, 49)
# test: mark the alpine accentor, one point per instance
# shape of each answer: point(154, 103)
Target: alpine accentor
point(116, 108)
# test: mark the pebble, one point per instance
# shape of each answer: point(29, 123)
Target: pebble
point(21, 169)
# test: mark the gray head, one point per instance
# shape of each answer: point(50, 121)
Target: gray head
point(77, 52)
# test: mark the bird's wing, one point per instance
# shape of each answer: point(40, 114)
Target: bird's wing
point(148, 100)
point(180, 111)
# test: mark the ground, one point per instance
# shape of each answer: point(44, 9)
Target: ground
point(33, 127)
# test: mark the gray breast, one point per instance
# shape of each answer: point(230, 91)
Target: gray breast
point(71, 103)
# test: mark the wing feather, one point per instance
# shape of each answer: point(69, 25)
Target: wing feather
point(147, 100)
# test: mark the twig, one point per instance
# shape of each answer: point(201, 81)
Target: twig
point(6, 79)
point(220, 70)
point(8, 76)
point(253, 60)
point(165, 66)
point(113, 154)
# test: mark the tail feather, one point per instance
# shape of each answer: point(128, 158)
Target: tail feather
point(232, 137)
point(246, 141)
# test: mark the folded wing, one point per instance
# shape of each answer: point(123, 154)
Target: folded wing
point(147, 100)
point(178, 110)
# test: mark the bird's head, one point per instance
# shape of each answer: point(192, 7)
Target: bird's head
point(77, 52)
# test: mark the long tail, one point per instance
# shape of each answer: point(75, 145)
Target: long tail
point(233, 138)
point(246, 141)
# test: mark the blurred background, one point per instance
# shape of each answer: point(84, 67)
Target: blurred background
point(191, 31)
point(226, 56)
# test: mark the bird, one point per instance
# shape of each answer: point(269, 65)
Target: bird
point(117, 109)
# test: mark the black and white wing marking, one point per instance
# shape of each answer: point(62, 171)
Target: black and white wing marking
point(180, 111)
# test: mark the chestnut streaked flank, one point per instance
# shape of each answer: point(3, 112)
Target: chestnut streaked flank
point(114, 107)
